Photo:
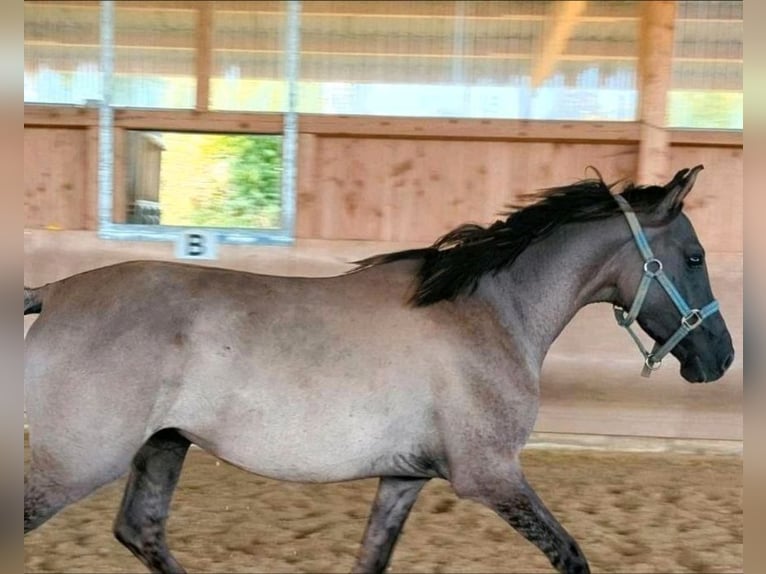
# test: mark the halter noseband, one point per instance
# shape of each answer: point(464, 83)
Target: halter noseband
point(690, 318)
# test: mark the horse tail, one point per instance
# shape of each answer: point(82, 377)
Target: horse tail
point(33, 300)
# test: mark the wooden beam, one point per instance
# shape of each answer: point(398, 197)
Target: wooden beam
point(374, 126)
point(59, 116)
point(204, 54)
point(193, 121)
point(564, 17)
point(654, 73)
point(468, 129)
point(707, 138)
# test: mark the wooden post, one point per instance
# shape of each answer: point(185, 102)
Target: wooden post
point(654, 73)
point(119, 189)
point(204, 53)
point(90, 215)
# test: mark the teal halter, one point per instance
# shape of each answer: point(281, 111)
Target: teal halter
point(690, 318)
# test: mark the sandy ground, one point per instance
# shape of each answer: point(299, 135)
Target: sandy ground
point(631, 512)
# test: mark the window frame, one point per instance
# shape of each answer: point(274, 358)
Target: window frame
point(109, 229)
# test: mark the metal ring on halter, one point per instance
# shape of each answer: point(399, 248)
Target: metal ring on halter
point(621, 315)
point(651, 363)
point(686, 320)
point(655, 261)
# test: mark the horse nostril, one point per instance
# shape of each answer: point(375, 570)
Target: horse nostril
point(728, 361)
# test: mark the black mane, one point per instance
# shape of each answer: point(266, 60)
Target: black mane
point(454, 264)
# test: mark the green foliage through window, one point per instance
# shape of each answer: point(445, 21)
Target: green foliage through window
point(705, 109)
point(221, 180)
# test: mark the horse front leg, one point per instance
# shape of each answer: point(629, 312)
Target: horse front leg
point(510, 496)
point(392, 505)
point(140, 523)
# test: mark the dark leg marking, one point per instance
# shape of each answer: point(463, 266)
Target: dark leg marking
point(140, 524)
point(524, 510)
point(38, 504)
point(46, 492)
point(392, 505)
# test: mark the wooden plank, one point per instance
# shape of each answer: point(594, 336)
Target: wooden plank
point(374, 126)
point(359, 211)
point(54, 178)
point(713, 138)
point(468, 129)
point(415, 190)
point(307, 222)
point(715, 206)
point(119, 192)
point(90, 201)
point(421, 180)
point(194, 121)
point(655, 72)
point(562, 20)
point(204, 54)
point(59, 116)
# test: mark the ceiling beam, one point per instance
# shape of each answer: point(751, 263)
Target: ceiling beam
point(564, 17)
point(204, 55)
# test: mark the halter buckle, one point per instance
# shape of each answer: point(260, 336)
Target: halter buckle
point(651, 363)
point(692, 320)
point(657, 266)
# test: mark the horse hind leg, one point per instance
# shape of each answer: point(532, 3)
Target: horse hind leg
point(392, 505)
point(140, 523)
point(59, 476)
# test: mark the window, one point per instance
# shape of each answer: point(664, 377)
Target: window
point(61, 53)
point(706, 88)
point(466, 59)
point(202, 180)
point(155, 54)
point(248, 57)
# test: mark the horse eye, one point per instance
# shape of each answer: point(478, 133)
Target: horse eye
point(694, 260)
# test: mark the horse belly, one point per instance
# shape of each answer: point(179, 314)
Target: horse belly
point(299, 440)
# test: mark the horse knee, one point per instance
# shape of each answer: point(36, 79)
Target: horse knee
point(488, 488)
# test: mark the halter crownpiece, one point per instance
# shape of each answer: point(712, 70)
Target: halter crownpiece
point(690, 318)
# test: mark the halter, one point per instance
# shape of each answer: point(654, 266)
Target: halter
point(690, 318)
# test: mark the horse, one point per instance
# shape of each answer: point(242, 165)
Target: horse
point(412, 365)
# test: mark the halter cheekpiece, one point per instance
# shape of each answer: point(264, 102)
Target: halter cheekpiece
point(690, 318)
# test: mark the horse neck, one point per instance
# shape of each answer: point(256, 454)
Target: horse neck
point(537, 296)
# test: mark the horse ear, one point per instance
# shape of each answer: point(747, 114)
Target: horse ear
point(677, 189)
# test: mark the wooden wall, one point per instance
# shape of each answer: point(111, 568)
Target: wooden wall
point(716, 204)
point(391, 179)
point(59, 178)
point(387, 189)
point(415, 190)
